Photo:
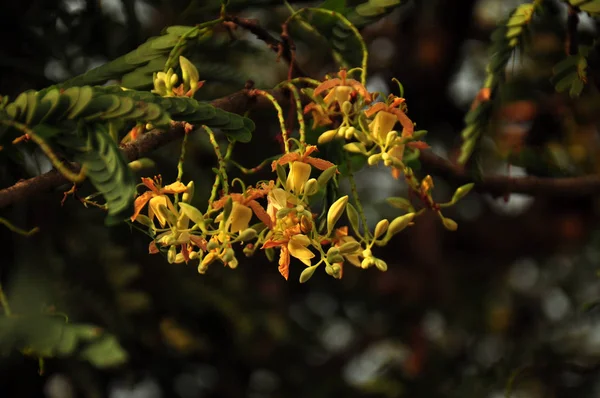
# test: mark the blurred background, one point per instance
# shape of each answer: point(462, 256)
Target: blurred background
point(504, 305)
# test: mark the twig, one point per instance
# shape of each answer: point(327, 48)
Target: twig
point(281, 47)
point(241, 101)
point(572, 42)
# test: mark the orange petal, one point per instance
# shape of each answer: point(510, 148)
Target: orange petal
point(273, 243)
point(149, 183)
point(418, 144)
point(374, 109)
point(176, 187)
point(152, 249)
point(140, 202)
point(288, 157)
point(404, 120)
point(396, 172)
point(326, 85)
point(310, 149)
point(284, 262)
point(318, 163)
point(185, 252)
point(260, 213)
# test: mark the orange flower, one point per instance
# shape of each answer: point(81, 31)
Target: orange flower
point(305, 157)
point(341, 89)
point(296, 246)
point(248, 200)
point(157, 196)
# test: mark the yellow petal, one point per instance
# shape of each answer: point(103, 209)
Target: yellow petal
point(335, 212)
point(153, 204)
point(340, 94)
point(299, 174)
point(383, 123)
point(240, 217)
point(297, 248)
point(176, 187)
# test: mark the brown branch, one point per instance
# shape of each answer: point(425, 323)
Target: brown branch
point(572, 42)
point(242, 101)
point(571, 187)
point(238, 102)
point(284, 48)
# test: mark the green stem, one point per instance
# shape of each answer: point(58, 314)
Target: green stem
point(349, 25)
point(221, 176)
point(17, 229)
point(272, 99)
point(299, 116)
point(359, 207)
point(180, 163)
point(71, 176)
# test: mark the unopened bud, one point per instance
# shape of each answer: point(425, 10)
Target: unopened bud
point(171, 254)
point(346, 107)
point(247, 234)
point(374, 159)
point(327, 137)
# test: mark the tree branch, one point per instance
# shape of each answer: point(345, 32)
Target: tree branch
point(242, 101)
point(571, 187)
point(238, 102)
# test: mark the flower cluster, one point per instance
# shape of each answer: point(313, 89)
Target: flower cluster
point(277, 215)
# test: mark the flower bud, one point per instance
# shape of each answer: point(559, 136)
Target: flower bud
point(346, 107)
point(374, 159)
point(281, 213)
point(341, 132)
point(450, 224)
point(193, 255)
point(326, 176)
point(311, 187)
point(233, 264)
point(188, 195)
point(335, 212)
point(390, 138)
point(327, 136)
point(247, 234)
point(380, 228)
point(355, 147)
point(212, 245)
point(381, 265)
point(172, 254)
point(398, 224)
point(461, 192)
point(349, 247)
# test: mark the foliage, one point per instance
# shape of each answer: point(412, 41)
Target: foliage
point(87, 126)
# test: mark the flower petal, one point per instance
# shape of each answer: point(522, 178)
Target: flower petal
point(320, 164)
point(140, 202)
point(299, 174)
point(382, 124)
point(260, 213)
point(176, 187)
point(284, 262)
point(240, 217)
point(297, 247)
point(154, 204)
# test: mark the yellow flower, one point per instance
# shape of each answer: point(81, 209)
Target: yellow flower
point(240, 217)
point(341, 89)
point(295, 246)
point(155, 197)
point(299, 174)
point(382, 124)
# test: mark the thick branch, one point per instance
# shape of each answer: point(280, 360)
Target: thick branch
point(238, 102)
point(242, 101)
point(499, 185)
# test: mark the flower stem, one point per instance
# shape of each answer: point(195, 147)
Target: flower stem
point(221, 177)
point(359, 207)
point(64, 170)
point(180, 163)
point(284, 134)
point(299, 116)
point(17, 229)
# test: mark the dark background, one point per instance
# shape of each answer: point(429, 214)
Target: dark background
point(509, 295)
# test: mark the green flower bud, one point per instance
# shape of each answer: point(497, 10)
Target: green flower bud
point(374, 159)
point(247, 234)
point(380, 228)
point(349, 247)
point(327, 136)
point(346, 107)
point(172, 254)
